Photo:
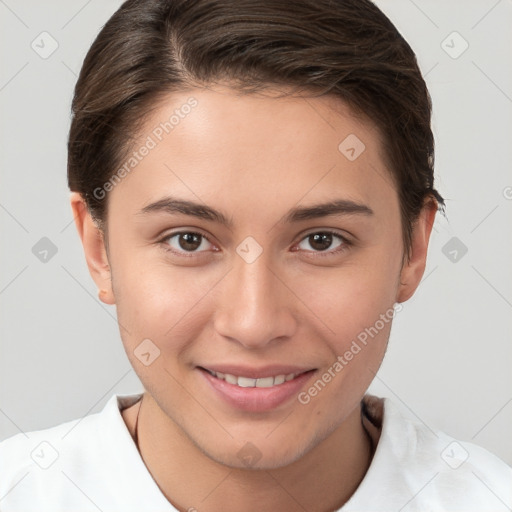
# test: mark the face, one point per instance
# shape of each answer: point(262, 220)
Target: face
point(257, 249)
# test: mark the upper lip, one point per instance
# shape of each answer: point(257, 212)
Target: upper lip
point(256, 373)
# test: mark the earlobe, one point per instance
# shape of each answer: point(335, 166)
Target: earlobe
point(414, 267)
point(94, 248)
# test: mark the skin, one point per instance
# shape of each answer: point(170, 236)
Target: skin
point(254, 158)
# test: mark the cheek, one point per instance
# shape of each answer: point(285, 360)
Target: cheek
point(351, 298)
point(355, 303)
point(357, 307)
point(159, 301)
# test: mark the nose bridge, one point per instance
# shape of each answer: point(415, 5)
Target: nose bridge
point(253, 309)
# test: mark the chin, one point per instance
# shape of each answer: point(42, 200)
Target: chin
point(259, 454)
point(250, 458)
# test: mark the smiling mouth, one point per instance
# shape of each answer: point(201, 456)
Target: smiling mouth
point(249, 382)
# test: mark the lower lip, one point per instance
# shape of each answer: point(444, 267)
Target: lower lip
point(257, 399)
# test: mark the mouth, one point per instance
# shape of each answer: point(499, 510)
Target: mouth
point(256, 390)
point(249, 382)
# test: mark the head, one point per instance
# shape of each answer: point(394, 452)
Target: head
point(253, 186)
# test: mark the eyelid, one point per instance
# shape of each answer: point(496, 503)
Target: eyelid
point(346, 242)
point(180, 231)
point(344, 236)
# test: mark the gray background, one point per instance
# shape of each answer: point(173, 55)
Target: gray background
point(449, 360)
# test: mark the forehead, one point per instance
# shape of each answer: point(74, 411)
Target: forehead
point(239, 150)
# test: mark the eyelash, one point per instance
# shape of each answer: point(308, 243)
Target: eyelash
point(346, 244)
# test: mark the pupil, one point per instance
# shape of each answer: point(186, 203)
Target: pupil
point(320, 241)
point(189, 241)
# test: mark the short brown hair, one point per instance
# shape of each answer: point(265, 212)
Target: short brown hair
point(345, 48)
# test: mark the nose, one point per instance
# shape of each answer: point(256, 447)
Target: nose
point(254, 307)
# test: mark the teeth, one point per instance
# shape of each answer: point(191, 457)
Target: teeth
point(265, 382)
point(279, 379)
point(228, 378)
point(247, 382)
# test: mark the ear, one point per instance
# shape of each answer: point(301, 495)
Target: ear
point(413, 269)
point(94, 248)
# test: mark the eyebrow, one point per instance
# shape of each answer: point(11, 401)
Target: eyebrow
point(201, 211)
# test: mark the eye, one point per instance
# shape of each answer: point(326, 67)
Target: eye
point(323, 241)
point(187, 242)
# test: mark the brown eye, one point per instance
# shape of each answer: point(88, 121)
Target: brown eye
point(321, 242)
point(187, 241)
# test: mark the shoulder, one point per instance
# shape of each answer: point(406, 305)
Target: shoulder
point(47, 464)
point(464, 476)
point(420, 468)
point(22, 451)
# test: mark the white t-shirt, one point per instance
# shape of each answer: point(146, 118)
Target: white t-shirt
point(93, 465)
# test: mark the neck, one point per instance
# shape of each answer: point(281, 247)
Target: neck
point(323, 479)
